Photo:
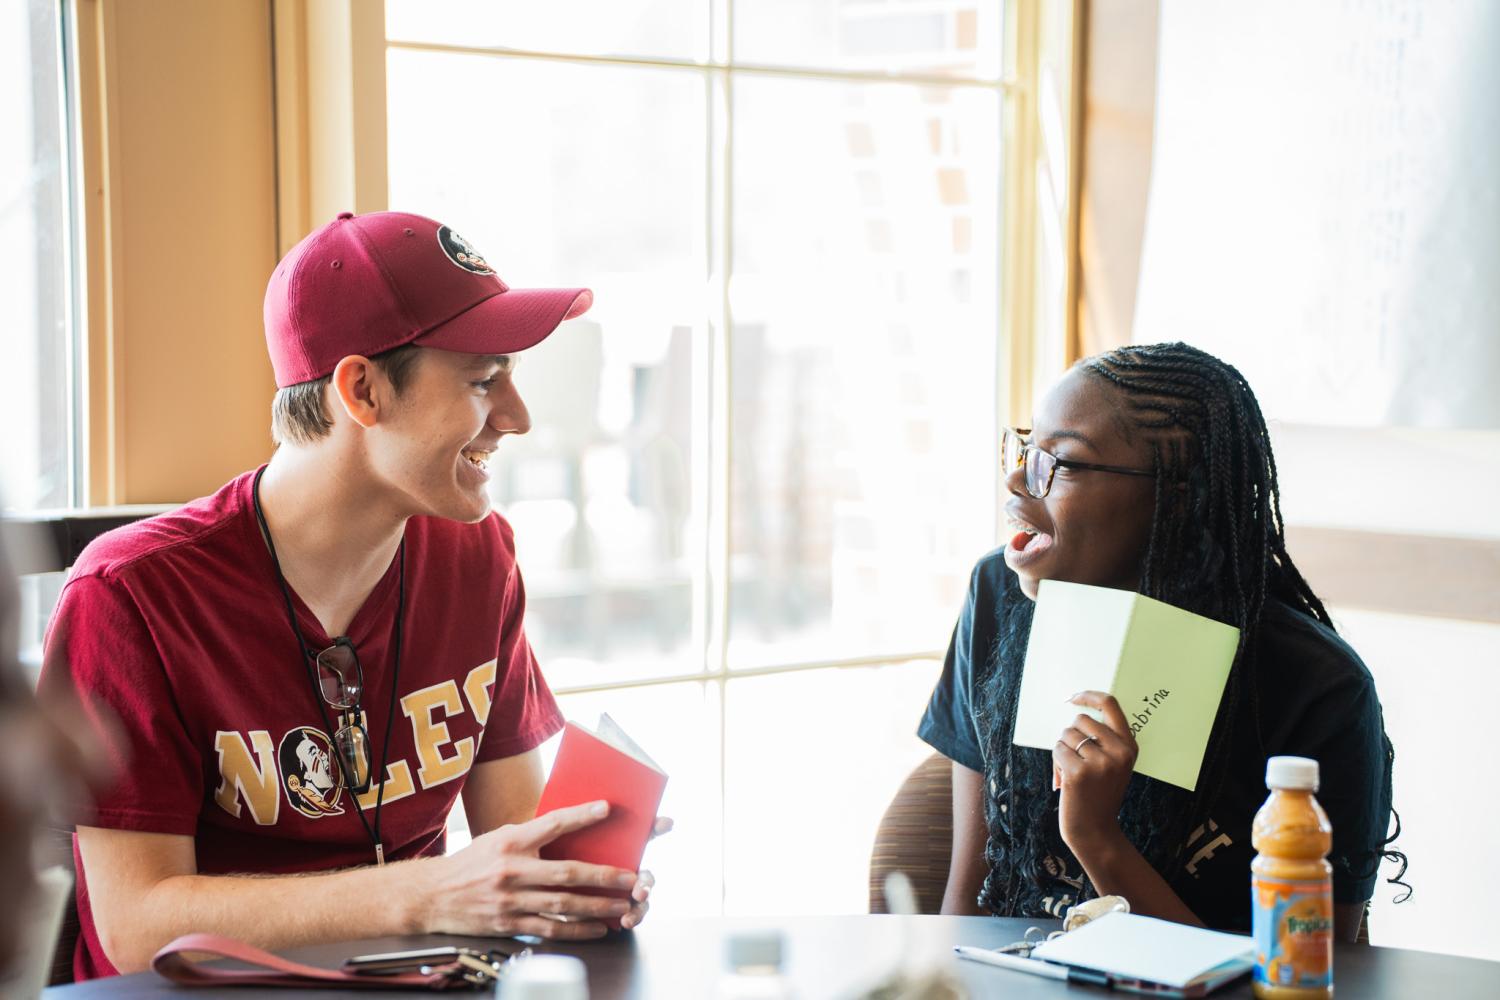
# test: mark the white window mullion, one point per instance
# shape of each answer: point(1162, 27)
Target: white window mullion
point(721, 141)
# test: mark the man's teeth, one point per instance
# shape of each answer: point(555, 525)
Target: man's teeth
point(1020, 526)
point(478, 459)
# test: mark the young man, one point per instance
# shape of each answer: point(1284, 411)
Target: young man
point(302, 671)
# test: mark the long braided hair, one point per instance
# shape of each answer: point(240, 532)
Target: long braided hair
point(1217, 548)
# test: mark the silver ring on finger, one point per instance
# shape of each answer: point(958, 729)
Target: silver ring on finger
point(1087, 739)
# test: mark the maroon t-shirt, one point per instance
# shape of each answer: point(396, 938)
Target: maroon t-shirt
point(175, 635)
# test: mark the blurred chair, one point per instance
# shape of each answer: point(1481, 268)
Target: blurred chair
point(58, 849)
point(50, 542)
point(915, 836)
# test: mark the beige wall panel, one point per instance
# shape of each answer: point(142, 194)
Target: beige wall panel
point(1119, 118)
point(195, 154)
point(330, 112)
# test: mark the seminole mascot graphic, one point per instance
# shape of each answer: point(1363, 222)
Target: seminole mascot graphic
point(462, 252)
point(312, 783)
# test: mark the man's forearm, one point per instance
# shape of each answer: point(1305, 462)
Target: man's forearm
point(144, 895)
point(277, 911)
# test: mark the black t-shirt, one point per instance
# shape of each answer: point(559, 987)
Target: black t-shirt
point(1317, 700)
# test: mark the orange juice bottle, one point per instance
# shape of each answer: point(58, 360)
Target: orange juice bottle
point(1291, 886)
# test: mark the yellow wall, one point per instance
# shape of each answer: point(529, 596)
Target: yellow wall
point(179, 166)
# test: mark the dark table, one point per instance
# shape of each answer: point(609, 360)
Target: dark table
point(829, 957)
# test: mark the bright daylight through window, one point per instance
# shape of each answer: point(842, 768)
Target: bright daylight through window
point(769, 448)
point(37, 452)
point(40, 449)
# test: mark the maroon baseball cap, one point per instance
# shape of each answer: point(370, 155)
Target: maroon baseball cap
point(367, 283)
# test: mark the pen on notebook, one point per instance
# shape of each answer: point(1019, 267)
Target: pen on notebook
point(1031, 966)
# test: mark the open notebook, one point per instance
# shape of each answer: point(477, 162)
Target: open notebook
point(1146, 955)
point(1165, 666)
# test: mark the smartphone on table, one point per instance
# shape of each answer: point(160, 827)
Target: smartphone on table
point(488, 963)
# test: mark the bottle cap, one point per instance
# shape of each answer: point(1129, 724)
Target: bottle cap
point(1297, 773)
point(546, 977)
point(748, 949)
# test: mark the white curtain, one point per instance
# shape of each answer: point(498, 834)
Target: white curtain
point(1325, 205)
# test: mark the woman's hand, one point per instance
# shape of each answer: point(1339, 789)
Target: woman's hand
point(1091, 764)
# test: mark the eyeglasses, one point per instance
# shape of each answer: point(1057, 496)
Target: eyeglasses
point(341, 680)
point(1041, 465)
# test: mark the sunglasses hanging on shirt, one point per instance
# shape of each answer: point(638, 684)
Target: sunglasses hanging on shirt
point(341, 680)
point(338, 680)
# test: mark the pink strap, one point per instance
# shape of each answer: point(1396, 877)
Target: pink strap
point(171, 963)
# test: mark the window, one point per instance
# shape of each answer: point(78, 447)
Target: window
point(40, 450)
point(762, 465)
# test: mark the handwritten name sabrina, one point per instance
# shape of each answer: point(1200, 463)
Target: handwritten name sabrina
point(1152, 703)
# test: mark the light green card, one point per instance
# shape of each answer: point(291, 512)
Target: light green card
point(1165, 666)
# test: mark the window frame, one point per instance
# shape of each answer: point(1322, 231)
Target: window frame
point(1036, 331)
point(328, 100)
point(1036, 319)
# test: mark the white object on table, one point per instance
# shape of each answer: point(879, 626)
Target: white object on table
point(545, 977)
point(754, 968)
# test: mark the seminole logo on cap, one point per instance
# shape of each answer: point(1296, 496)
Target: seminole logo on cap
point(462, 252)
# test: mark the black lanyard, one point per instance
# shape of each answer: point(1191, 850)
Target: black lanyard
point(308, 659)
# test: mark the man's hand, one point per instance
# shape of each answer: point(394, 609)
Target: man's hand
point(145, 891)
point(1092, 762)
point(641, 895)
point(500, 885)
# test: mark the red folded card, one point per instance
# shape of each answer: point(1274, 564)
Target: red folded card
point(611, 767)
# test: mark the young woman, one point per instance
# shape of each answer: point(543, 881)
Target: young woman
point(1150, 469)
